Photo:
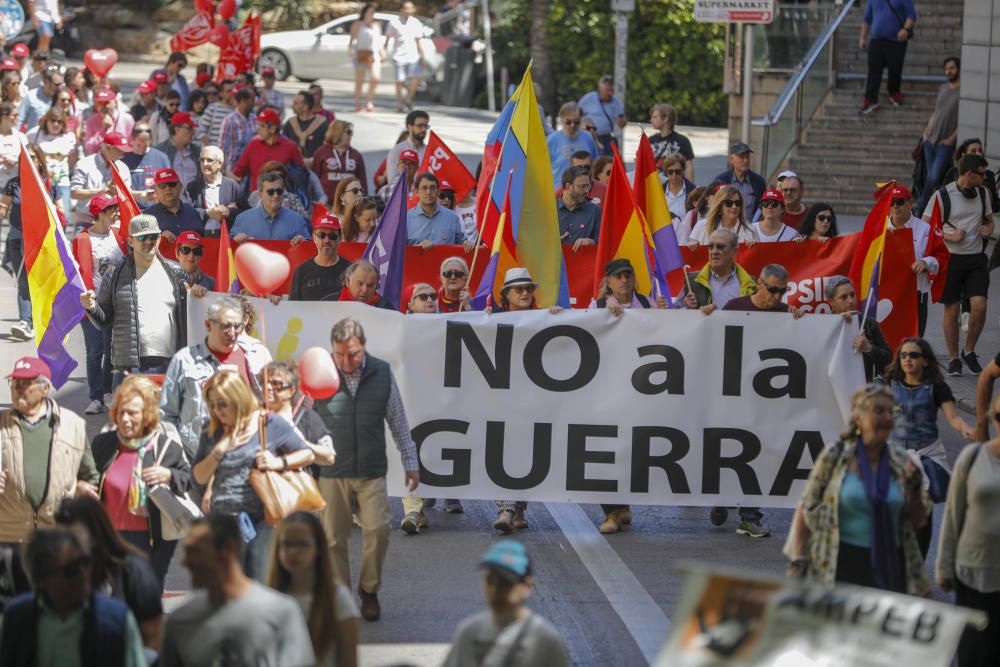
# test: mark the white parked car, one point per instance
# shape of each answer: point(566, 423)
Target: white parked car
point(322, 52)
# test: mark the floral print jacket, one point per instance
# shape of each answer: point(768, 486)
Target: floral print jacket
point(820, 505)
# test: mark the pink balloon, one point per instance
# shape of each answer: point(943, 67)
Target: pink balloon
point(260, 270)
point(100, 61)
point(318, 373)
point(226, 9)
point(219, 36)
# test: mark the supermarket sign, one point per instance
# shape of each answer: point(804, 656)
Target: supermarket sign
point(734, 11)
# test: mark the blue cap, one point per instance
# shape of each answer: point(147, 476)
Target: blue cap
point(508, 557)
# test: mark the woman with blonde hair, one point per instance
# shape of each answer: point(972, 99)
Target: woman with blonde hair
point(360, 219)
point(231, 447)
point(337, 160)
point(726, 210)
point(137, 455)
point(301, 567)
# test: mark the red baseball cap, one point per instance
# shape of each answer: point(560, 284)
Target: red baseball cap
point(116, 139)
point(20, 50)
point(182, 118)
point(269, 116)
point(100, 203)
point(160, 77)
point(410, 155)
point(188, 238)
point(445, 185)
point(901, 192)
point(9, 65)
point(202, 78)
point(29, 368)
point(327, 222)
point(103, 95)
point(147, 87)
point(773, 195)
point(267, 71)
point(166, 176)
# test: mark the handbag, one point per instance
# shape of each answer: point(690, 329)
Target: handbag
point(177, 512)
point(285, 492)
point(366, 57)
point(938, 479)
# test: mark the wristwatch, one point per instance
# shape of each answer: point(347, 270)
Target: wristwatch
point(284, 463)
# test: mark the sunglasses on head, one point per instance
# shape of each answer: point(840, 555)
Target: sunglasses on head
point(770, 203)
point(776, 290)
point(674, 172)
point(729, 203)
point(453, 274)
point(274, 192)
point(911, 355)
point(197, 251)
point(322, 236)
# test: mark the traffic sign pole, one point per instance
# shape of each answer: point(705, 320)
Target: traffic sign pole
point(621, 9)
point(747, 80)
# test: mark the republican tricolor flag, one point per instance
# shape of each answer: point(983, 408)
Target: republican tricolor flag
point(668, 263)
point(225, 272)
point(502, 258)
point(867, 265)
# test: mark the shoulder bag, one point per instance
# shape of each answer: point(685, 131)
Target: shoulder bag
point(285, 492)
point(177, 512)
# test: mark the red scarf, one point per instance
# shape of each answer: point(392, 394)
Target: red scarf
point(345, 295)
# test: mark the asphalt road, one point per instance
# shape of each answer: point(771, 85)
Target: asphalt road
point(610, 597)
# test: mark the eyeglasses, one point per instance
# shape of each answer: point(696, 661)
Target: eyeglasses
point(208, 159)
point(420, 126)
point(912, 355)
point(142, 130)
point(824, 217)
point(573, 123)
point(229, 326)
point(275, 192)
point(218, 405)
point(719, 246)
point(776, 290)
point(425, 296)
point(899, 202)
point(427, 188)
point(322, 236)
point(73, 569)
point(354, 190)
point(729, 203)
point(674, 172)
point(453, 274)
point(769, 203)
point(197, 251)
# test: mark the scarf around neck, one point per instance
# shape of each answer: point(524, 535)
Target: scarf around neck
point(884, 550)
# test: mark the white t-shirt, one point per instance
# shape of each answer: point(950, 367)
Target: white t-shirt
point(57, 151)
point(10, 154)
point(105, 251)
point(155, 312)
point(467, 219)
point(966, 214)
point(46, 10)
point(541, 643)
point(785, 233)
point(700, 233)
point(405, 36)
point(344, 608)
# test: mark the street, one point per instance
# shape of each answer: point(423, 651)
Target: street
point(611, 597)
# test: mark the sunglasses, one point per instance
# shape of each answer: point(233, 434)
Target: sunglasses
point(73, 569)
point(166, 186)
point(911, 355)
point(278, 385)
point(674, 172)
point(208, 159)
point(197, 251)
point(355, 190)
point(218, 405)
point(729, 203)
point(147, 238)
point(144, 130)
point(274, 192)
point(322, 236)
point(574, 123)
point(453, 274)
point(824, 217)
point(769, 203)
point(776, 290)
point(523, 288)
point(899, 202)
point(229, 326)
point(425, 296)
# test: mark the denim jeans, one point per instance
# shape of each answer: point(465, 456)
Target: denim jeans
point(937, 157)
point(98, 344)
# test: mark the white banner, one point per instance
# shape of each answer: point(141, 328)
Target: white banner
point(728, 620)
point(652, 408)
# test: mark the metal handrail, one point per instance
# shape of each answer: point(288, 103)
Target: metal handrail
point(793, 89)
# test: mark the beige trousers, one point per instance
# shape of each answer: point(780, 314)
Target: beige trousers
point(373, 515)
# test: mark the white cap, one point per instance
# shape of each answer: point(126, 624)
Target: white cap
point(787, 174)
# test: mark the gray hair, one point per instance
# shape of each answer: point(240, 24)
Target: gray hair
point(224, 303)
point(360, 264)
point(833, 283)
point(213, 152)
point(732, 236)
point(568, 108)
point(774, 271)
point(455, 260)
point(346, 329)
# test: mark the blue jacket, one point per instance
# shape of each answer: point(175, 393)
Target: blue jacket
point(886, 17)
point(757, 183)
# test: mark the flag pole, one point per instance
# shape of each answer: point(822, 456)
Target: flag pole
point(479, 229)
point(864, 316)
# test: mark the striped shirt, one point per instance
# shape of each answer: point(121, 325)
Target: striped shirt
point(237, 131)
point(210, 124)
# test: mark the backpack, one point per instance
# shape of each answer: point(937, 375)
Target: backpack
point(946, 203)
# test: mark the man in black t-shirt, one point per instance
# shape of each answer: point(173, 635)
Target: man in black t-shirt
point(321, 278)
point(667, 141)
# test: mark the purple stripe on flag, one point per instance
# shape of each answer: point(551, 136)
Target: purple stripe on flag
point(668, 250)
point(386, 248)
point(482, 296)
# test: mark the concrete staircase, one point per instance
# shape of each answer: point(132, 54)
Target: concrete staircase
point(842, 155)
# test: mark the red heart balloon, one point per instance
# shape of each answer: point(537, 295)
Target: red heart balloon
point(204, 6)
point(226, 9)
point(260, 270)
point(100, 61)
point(318, 373)
point(219, 36)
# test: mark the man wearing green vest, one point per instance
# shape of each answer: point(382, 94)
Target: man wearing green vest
point(356, 417)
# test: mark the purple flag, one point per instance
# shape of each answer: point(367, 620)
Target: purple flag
point(387, 245)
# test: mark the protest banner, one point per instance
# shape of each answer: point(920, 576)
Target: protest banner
point(730, 619)
point(652, 408)
point(808, 264)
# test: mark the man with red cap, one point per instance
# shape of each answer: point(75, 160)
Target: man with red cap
point(173, 215)
point(189, 249)
point(92, 174)
point(322, 277)
point(45, 456)
point(409, 161)
point(926, 266)
point(162, 81)
point(147, 104)
point(238, 128)
point(268, 97)
point(180, 148)
point(268, 145)
point(107, 117)
point(39, 100)
point(770, 228)
point(9, 65)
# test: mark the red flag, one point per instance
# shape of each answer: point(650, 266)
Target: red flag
point(938, 250)
point(194, 33)
point(867, 266)
point(127, 208)
point(319, 210)
point(242, 51)
point(225, 271)
point(443, 163)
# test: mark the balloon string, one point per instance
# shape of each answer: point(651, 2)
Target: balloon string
point(263, 340)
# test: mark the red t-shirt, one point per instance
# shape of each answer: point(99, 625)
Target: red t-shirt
point(794, 220)
point(115, 491)
point(237, 359)
point(257, 154)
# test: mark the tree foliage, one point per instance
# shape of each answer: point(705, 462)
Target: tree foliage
point(671, 58)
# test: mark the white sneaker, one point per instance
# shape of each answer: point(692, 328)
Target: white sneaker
point(965, 321)
point(95, 407)
point(107, 398)
point(22, 331)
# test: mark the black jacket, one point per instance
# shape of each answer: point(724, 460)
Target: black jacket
point(117, 308)
point(105, 448)
point(880, 355)
point(230, 194)
point(170, 149)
